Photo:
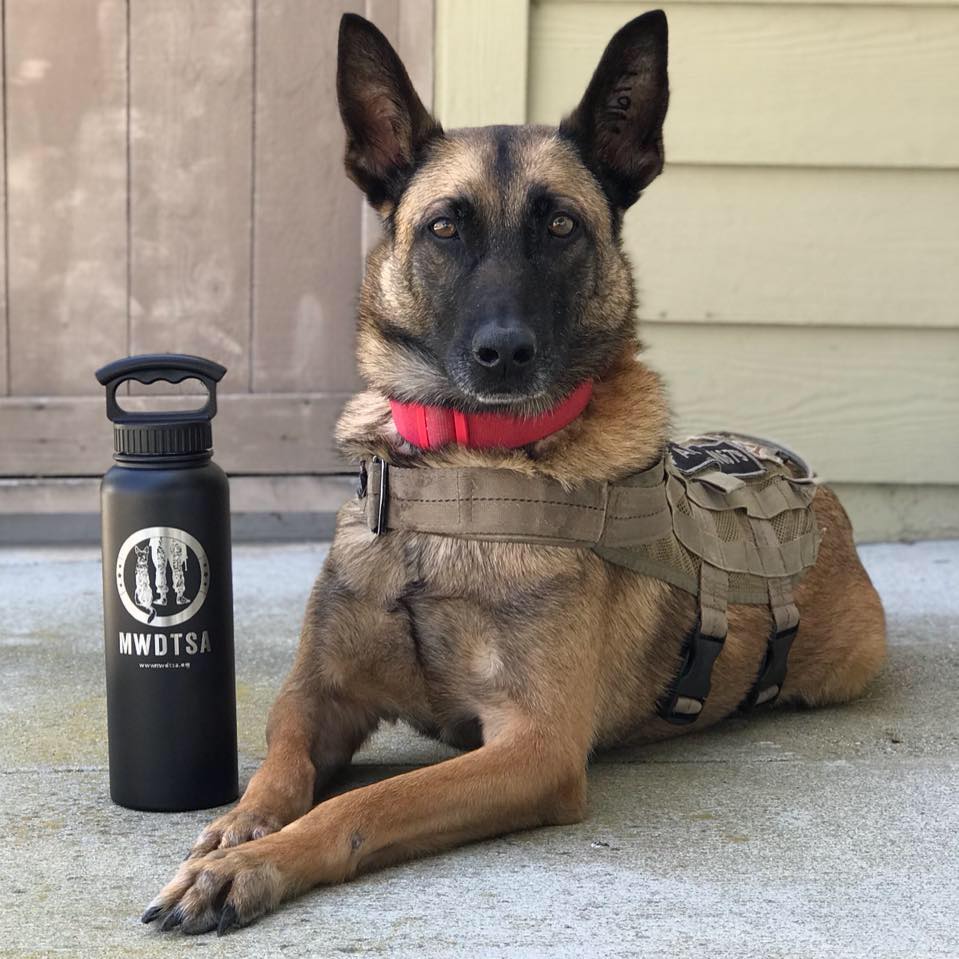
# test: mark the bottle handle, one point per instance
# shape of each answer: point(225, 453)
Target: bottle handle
point(169, 367)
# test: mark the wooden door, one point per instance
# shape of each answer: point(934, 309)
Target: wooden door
point(173, 182)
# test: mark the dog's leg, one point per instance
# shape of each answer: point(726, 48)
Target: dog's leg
point(528, 774)
point(309, 737)
point(328, 706)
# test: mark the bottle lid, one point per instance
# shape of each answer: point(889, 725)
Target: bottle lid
point(161, 432)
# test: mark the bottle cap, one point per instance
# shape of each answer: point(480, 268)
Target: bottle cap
point(161, 432)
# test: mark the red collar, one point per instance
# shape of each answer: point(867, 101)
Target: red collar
point(430, 427)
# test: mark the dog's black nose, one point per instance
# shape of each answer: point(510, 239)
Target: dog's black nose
point(504, 347)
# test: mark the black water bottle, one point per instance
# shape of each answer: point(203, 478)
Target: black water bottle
point(168, 598)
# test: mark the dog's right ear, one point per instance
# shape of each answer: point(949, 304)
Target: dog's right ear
point(618, 125)
point(387, 125)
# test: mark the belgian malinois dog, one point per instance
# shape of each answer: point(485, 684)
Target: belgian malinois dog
point(500, 284)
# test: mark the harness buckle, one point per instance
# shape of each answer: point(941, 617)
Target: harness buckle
point(376, 486)
point(694, 678)
point(772, 674)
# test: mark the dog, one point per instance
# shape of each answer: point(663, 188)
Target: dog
point(144, 590)
point(500, 285)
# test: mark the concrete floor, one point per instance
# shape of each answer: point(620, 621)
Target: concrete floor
point(802, 834)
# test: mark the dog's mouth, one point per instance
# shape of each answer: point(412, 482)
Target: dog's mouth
point(509, 399)
point(529, 398)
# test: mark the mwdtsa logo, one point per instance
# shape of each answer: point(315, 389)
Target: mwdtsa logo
point(163, 576)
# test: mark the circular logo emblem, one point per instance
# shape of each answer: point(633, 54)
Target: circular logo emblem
point(163, 575)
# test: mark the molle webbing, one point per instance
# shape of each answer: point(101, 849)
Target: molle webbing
point(727, 518)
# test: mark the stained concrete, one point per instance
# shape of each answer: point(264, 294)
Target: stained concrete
point(801, 834)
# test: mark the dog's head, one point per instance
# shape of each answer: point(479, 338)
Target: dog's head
point(501, 280)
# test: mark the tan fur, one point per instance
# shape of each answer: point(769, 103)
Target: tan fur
point(536, 655)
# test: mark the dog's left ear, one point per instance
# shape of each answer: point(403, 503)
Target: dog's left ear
point(618, 125)
point(386, 123)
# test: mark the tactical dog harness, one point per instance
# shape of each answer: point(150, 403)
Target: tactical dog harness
point(725, 517)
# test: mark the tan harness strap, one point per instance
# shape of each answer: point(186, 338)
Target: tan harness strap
point(713, 599)
point(491, 504)
point(784, 609)
point(485, 504)
point(769, 681)
point(637, 511)
point(687, 697)
point(778, 582)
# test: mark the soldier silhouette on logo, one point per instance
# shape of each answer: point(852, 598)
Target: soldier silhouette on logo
point(168, 551)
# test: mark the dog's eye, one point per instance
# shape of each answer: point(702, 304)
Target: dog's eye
point(561, 225)
point(443, 228)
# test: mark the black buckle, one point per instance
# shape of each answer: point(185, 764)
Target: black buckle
point(694, 678)
point(378, 473)
point(772, 674)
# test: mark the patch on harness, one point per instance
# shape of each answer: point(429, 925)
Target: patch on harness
point(722, 455)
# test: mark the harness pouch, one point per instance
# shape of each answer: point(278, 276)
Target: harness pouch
point(718, 525)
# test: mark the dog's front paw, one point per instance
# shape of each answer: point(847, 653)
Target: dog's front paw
point(238, 826)
point(224, 889)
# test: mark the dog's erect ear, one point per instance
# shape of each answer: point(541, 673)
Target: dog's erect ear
point(386, 124)
point(618, 125)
